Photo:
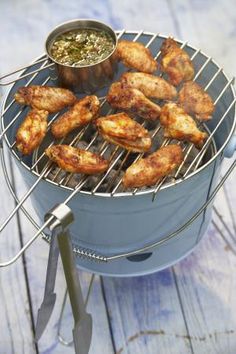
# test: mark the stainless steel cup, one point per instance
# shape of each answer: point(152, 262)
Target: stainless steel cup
point(88, 78)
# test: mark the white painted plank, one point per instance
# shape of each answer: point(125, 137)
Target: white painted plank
point(15, 324)
point(207, 287)
point(145, 315)
point(225, 204)
point(149, 15)
point(209, 25)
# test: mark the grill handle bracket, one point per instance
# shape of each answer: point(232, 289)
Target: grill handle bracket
point(61, 215)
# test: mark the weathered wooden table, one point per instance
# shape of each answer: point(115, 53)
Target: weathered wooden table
point(188, 308)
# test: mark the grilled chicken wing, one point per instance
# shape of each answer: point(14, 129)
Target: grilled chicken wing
point(134, 55)
point(133, 100)
point(176, 62)
point(83, 112)
point(32, 131)
point(179, 125)
point(75, 160)
point(149, 85)
point(196, 101)
point(148, 171)
point(52, 99)
point(121, 130)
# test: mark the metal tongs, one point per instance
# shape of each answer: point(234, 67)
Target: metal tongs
point(61, 217)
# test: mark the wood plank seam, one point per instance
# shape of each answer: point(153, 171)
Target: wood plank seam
point(175, 18)
point(26, 277)
point(230, 207)
point(107, 313)
point(182, 309)
point(3, 299)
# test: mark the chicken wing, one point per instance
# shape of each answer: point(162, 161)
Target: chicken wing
point(32, 131)
point(75, 160)
point(133, 100)
point(83, 112)
point(121, 130)
point(134, 55)
point(52, 99)
point(150, 85)
point(175, 62)
point(148, 171)
point(196, 101)
point(179, 125)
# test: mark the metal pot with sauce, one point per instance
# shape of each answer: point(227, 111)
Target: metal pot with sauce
point(83, 53)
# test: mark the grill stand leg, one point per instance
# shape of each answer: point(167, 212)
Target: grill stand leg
point(60, 337)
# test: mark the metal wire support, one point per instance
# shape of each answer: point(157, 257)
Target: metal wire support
point(6, 83)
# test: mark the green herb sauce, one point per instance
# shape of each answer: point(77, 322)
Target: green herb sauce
point(82, 47)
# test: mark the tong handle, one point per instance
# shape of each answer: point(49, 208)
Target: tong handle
point(49, 298)
point(71, 275)
point(52, 263)
point(82, 331)
point(59, 227)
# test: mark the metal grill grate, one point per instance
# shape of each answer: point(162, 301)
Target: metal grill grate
point(118, 157)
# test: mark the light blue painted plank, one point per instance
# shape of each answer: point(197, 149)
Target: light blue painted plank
point(207, 286)
point(14, 304)
point(145, 314)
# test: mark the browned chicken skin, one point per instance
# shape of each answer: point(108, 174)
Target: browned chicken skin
point(133, 100)
point(121, 130)
point(148, 171)
point(179, 125)
point(83, 112)
point(175, 62)
point(31, 131)
point(150, 85)
point(196, 101)
point(134, 55)
point(52, 99)
point(75, 160)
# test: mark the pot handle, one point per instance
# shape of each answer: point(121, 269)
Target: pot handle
point(230, 147)
point(5, 83)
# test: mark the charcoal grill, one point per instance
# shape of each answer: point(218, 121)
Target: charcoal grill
point(137, 231)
